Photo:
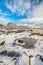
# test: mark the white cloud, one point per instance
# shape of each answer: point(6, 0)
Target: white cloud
point(38, 19)
point(36, 16)
point(12, 5)
point(38, 11)
point(27, 5)
point(35, 19)
point(4, 20)
point(12, 8)
point(20, 6)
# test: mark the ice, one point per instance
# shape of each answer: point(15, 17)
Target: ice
point(25, 54)
point(23, 60)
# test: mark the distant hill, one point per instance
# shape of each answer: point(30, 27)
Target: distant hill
point(16, 26)
point(2, 26)
point(11, 26)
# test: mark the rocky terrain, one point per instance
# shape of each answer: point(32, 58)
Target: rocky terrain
point(21, 46)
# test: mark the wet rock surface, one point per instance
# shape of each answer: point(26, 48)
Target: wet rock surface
point(29, 42)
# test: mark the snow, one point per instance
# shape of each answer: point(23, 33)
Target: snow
point(23, 60)
point(24, 53)
point(38, 61)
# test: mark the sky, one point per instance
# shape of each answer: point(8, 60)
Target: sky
point(21, 11)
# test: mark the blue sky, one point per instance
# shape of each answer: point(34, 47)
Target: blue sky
point(21, 11)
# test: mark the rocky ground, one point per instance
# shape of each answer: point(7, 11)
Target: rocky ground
point(27, 51)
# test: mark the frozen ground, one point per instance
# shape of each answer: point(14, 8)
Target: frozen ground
point(33, 56)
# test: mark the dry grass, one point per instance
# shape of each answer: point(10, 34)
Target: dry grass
point(19, 31)
point(2, 43)
point(40, 34)
point(35, 33)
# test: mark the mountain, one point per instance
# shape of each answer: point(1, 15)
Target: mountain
point(11, 26)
